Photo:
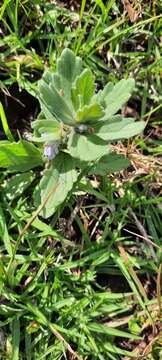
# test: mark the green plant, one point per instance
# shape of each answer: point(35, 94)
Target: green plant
point(76, 126)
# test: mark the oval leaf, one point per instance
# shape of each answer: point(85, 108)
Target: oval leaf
point(55, 184)
point(87, 148)
point(110, 163)
point(122, 129)
point(118, 96)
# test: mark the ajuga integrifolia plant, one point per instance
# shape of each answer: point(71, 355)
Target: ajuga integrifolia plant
point(77, 126)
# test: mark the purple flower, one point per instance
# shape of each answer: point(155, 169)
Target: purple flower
point(51, 150)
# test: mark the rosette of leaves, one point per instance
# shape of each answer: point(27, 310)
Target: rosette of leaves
point(83, 122)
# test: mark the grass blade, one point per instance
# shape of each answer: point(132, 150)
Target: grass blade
point(5, 124)
point(15, 339)
point(4, 235)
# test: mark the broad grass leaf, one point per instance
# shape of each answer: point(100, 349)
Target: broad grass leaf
point(19, 156)
point(110, 163)
point(56, 183)
point(86, 147)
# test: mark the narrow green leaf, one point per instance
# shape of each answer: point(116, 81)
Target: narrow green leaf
point(28, 346)
point(101, 5)
point(15, 339)
point(83, 4)
point(115, 349)
point(5, 124)
point(102, 329)
point(4, 235)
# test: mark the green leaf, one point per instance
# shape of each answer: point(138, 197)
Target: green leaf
point(28, 345)
point(110, 347)
point(118, 96)
point(83, 89)
point(5, 124)
point(56, 81)
point(134, 327)
point(102, 94)
point(86, 148)
point(102, 6)
point(15, 339)
point(17, 184)
point(46, 138)
point(21, 156)
point(69, 66)
point(47, 76)
point(46, 113)
point(4, 235)
point(55, 88)
point(55, 103)
point(89, 113)
point(122, 129)
point(102, 329)
point(44, 124)
point(47, 130)
point(57, 180)
point(110, 163)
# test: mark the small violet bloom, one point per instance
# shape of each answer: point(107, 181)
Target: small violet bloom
point(51, 150)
